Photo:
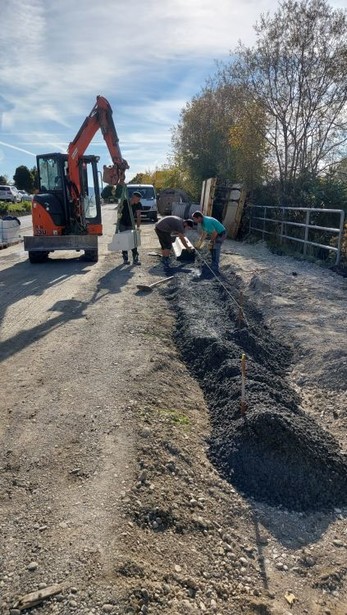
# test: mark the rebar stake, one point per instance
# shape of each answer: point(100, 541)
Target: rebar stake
point(243, 385)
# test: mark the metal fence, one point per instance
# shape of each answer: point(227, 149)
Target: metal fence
point(303, 225)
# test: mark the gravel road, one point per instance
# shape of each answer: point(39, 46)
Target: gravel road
point(119, 446)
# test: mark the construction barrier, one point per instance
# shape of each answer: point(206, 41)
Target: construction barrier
point(9, 231)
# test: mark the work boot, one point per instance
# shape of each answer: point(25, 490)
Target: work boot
point(136, 260)
point(125, 259)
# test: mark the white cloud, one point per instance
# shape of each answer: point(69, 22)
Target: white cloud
point(147, 58)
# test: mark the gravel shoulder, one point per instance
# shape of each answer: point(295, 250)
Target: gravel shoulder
point(107, 485)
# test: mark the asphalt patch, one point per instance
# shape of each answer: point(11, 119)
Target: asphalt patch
point(275, 453)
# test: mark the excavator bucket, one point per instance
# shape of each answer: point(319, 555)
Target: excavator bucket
point(110, 175)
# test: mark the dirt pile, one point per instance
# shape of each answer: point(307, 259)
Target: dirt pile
point(276, 454)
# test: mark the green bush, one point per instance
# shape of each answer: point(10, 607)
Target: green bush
point(327, 192)
point(15, 209)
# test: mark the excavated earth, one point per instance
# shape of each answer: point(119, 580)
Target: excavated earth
point(130, 478)
point(274, 453)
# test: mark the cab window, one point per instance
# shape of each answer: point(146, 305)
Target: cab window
point(49, 174)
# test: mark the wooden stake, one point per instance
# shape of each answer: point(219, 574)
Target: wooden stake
point(36, 597)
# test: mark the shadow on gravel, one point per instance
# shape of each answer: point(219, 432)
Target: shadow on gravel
point(275, 454)
point(112, 282)
point(69, 309)
point(24, 280)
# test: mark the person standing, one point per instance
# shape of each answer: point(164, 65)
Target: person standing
point(217, 233)
point(131, 214)
point(167, 229)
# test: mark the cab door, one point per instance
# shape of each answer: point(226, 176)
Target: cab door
point(90, 195)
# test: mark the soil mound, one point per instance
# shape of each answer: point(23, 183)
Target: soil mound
point(276, 453)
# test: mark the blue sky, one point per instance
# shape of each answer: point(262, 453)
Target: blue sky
point(147, 57)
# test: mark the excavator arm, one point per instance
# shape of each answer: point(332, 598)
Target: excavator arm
point(100, 118)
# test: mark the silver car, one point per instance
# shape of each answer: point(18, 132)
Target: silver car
point(25, 195)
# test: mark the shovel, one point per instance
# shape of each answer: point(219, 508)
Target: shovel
point(149, 287)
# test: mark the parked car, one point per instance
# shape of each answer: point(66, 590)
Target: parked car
point(10, 193)
point(25, 195)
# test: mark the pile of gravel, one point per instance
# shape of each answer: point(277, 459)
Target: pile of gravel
point(275, 453)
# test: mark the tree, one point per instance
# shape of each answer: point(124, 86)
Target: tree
point(35, 177)
point(219, 135)
point(23, 178)
point(340, 170)
point(297, 74)
point(201, 139)
point(171, 175)
point(141, 178)
point(248, 144)
point(3, 180)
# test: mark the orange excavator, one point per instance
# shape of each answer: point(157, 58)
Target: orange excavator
point(66, 211)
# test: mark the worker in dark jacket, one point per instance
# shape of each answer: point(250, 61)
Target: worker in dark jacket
point(216, 231)
point(167, 229)
point(126, 223)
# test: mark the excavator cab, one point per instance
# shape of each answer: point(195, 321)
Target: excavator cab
point(54, 179)
point(64, 217)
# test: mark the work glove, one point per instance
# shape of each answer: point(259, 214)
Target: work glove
point(211, 246)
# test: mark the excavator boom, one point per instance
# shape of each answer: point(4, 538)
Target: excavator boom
point(100, 118)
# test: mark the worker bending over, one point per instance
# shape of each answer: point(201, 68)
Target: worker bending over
point(167, 229)
point(217, 233)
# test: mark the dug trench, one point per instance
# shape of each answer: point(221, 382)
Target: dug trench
point(274, 453)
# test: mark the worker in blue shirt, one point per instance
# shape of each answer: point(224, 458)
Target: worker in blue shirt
point(217, 233)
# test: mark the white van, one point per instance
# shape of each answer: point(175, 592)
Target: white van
point(148, 200)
